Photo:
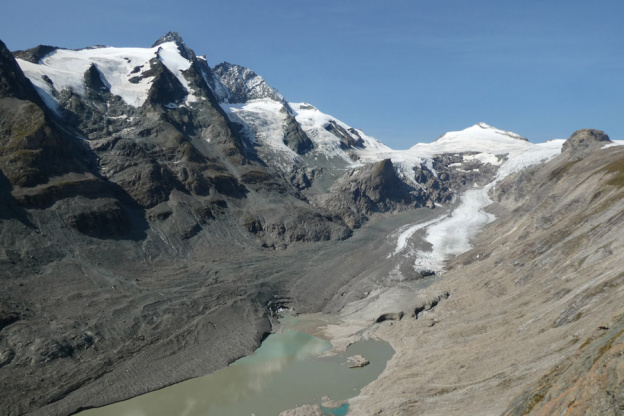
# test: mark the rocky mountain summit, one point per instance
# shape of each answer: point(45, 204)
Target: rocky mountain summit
point(153, 208)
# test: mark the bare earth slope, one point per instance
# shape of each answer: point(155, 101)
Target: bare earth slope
point(543, 280)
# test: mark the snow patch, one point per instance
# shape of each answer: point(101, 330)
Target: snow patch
point(452, 235)
point(169, 55)
point(485, 158)
point(409, 232)
point(313, 123)
point(615, 143)
point(264, 121)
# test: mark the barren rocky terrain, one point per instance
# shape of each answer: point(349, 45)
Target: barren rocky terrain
point(532, 324)
point(145, 243)
point(144, 246)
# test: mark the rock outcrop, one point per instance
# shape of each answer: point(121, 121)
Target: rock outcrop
point(585, 140)
point(357, 361)
point(372, 188)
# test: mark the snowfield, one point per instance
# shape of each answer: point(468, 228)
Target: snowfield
point(64, 70)
point(264, 121)
point(314, 123)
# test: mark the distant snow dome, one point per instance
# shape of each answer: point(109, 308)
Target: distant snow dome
point(480, 131)
point(480, 137)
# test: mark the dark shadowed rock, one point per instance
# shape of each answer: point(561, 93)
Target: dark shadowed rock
point(13, 82)
point(348, 138)
point(36, 54)
point(95, 80)
point(390, 316)
point(32, 149)
point(295, 137)
point(166, 89)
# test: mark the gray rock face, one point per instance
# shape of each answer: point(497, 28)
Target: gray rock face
point(36, 54)
point(348, 139)
point(370, 189)
point(583, 141)
point(294, 136)
point(243, 84)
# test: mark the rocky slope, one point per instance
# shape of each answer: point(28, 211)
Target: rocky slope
point(535, 305)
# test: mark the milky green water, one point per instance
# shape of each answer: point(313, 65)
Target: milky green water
point(282, 374)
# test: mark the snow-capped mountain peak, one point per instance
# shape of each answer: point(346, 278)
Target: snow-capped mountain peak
point(126, 71)
point(174, 37)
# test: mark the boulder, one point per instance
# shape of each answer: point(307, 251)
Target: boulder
point(391, 316)
point(357, 361)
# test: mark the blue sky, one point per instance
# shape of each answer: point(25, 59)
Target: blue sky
point(404, 71)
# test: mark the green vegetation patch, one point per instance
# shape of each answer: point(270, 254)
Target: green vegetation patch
point(575, 244)
point(617, 170)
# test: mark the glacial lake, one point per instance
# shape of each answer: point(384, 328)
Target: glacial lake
point(283, 373)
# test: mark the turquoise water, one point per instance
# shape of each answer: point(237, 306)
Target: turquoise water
point(336, 411)
point(282, 374)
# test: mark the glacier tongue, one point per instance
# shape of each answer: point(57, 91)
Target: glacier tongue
point(452, 236)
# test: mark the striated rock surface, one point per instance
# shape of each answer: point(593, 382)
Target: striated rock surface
point(529, 325)
point(589, 382)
